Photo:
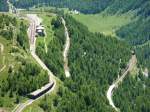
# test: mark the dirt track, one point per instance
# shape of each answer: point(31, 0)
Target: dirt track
point(1, 47)
point(66, 50)
point(129, 67)
point(31, 32)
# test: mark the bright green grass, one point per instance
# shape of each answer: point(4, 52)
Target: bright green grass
point(34, 108)
point(5, 58)
point(46, 21)
point(104, 23)
point(47, 18)
point(10, 60)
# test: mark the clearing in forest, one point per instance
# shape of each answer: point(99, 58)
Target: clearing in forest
point(103, 22)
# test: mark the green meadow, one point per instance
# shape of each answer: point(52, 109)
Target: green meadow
point(46, 21)
point(103, 22)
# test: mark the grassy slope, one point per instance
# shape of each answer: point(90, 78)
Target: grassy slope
point(47, 18)
point(8, 60)
point(46, 21)
point(12, 59)
point(112, 21)
point(104, 23)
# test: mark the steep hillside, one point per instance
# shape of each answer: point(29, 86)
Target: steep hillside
point(123, 6)
point(128, 19)
point(137, 31)
point(133, 94)
point(86, 6)
point(53, 58)
point(133, 32)
point(94, 62)
point(18, 70)
point(90, 6)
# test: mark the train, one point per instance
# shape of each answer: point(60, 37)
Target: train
point(41, 91)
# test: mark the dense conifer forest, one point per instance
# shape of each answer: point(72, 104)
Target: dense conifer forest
point(133, 94)
point(22, 74)
point(87, 6)
point(95, 60)
point(3, 5)
point(91, 59)
point(90, 6)
point(54, 58)
point(136, 32)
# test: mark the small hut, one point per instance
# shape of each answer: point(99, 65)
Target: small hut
point(40, 30)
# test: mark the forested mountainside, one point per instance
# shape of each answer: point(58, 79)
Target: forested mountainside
point(122, 6)
point(3, 5)
point(133, 94)
point(55, 48)
point(94, 61)
point(19, 74)
point(90, 6)
point(136, 32)
point(86, 6)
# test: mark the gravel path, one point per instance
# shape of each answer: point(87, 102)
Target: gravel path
point(129, 67)
point(66, 50)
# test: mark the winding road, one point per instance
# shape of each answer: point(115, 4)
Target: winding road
point(2, 68)
point(1, 52)
point(66, 50)
point(34, 21)
point(1, 48)
point(129, 67)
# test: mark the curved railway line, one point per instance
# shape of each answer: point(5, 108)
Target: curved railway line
point(52, 79)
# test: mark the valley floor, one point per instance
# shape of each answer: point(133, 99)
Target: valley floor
point(104, 23)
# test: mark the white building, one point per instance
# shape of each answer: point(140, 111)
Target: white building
point(75, 12)
point(40, 30)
